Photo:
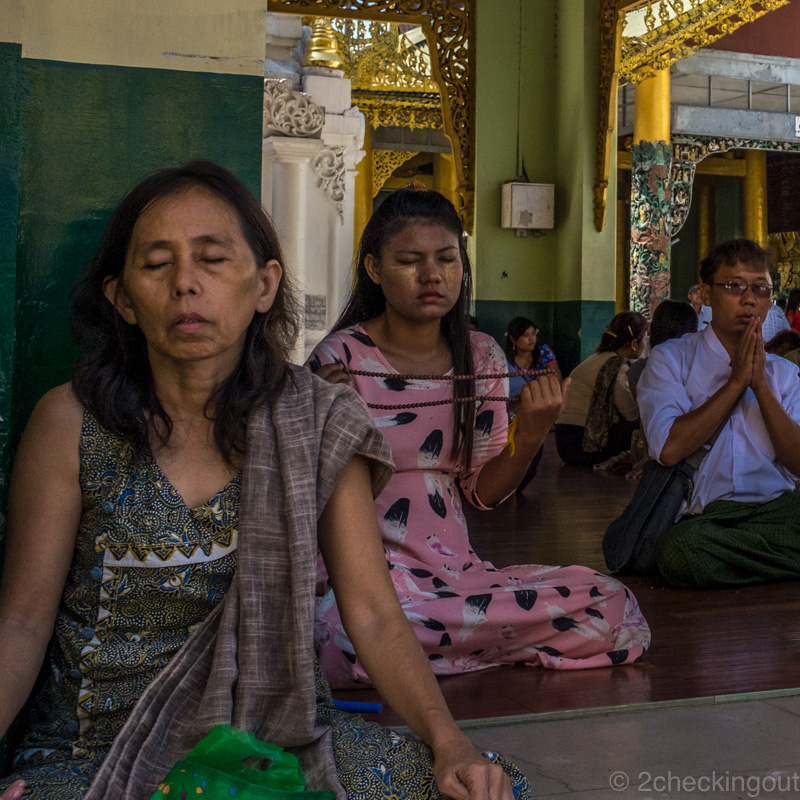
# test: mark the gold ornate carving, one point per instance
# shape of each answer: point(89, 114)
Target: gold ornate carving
point(786, 254)
point(449, 30)
point(387, 110)
point(384, 163)
point(611, 21)
point(674, 29)
point(679, 31)
point(379, 57)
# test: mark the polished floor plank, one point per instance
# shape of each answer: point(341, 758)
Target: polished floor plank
point(705, 644)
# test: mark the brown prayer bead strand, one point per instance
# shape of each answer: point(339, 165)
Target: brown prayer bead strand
point(448, 401)
point(481, 377)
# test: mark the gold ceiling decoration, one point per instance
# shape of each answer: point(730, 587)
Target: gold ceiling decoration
point(384, 163)
point(450, 32)
point(677, 28)
point(672, 30)
point(379, 57)
point(404, 112)
point(391, 77)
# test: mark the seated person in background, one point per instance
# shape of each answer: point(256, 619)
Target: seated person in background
point(703, 311)
point(792, 310)
point(742, 523)
point(600, 413)
point(774, 323)
point(524, 353)
point(405, 322)
point(165, 513)
point(785, 344)
point(671, 320)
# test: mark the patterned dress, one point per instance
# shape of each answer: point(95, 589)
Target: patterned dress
point(146, 571)
point(515, 384)
point(468, 614)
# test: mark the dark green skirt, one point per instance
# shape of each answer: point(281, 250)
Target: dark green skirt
point(734, 544)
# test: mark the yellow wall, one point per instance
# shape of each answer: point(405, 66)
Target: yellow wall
point(191, 35)
point(11, 21)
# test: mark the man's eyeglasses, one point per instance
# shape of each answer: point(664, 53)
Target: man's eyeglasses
point(738, 288)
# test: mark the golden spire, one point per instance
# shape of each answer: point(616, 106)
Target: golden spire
point(323, 49)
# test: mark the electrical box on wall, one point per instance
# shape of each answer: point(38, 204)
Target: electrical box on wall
point(527, 206)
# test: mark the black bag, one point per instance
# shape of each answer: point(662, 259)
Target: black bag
point(629, 543)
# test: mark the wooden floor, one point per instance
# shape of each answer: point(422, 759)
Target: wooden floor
point(705, 644)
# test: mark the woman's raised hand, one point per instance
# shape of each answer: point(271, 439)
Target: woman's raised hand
point(541, 403)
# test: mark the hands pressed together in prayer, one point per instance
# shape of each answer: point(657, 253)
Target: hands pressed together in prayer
point(748, 365)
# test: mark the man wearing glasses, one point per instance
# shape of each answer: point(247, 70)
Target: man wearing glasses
point(741, 523)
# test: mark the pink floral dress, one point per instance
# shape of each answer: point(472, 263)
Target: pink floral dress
point(468, 614)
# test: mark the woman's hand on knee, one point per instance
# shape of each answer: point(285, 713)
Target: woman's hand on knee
point(14, 792)
point(464, 774)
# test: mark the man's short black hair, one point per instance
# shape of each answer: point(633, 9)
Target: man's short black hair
point(729, 253)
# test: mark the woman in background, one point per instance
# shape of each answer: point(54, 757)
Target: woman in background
point(601, 414)
point(524, 355)
point(406, 324)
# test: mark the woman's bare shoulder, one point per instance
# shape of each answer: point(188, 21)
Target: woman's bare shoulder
point(58, 413)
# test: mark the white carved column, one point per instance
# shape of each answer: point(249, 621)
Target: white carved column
point(343, 135)
point(291, 127)
point(310, 152)
point(289, 158)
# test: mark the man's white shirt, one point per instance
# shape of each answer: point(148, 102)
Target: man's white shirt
point(681, 374)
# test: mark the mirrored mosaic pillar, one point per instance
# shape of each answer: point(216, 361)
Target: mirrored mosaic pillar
point(651, 195)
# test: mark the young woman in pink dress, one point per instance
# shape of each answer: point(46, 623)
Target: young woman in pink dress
point(406, 321)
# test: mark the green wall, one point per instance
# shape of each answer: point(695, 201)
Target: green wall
point(516, 97)
point(10, 167)
point(89, 134)
point(536, 93)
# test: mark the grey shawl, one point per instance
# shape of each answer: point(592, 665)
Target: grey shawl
point(250, 663)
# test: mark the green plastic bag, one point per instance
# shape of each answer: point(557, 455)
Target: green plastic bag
point(232, 763)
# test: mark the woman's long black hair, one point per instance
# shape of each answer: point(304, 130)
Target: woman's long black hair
point(113, 378)
point(623, 329)
point(517, 328)
point(366, 301)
